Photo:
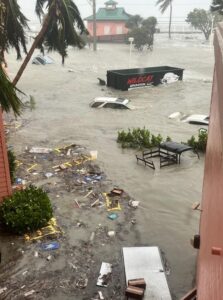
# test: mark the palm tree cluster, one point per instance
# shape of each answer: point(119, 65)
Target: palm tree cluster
point(62, 26)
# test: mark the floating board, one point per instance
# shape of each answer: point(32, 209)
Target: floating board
point(146, 262)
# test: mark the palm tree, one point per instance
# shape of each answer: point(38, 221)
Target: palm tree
point(12, 28)
point(164, 4)
point(60, 26)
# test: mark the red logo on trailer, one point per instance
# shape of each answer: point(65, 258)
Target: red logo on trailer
point(139, 80)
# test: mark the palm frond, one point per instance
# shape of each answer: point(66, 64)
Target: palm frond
point(8, 95)
point(14, 24)
point(39, 7)
point(163, 4)
point(64, 28)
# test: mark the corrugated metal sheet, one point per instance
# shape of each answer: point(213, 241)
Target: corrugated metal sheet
point(5, 183)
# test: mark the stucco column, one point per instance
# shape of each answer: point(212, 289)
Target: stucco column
point(5, 181)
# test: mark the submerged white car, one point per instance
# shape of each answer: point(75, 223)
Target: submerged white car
point(191, 119)
point(107, 102)
point(196, 119)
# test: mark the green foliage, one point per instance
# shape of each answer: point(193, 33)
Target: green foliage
point(64, 26)
point(201, 143)
point(12, 28)
point(143, 34)
point(26, 210)
point(217, 5)
point(164, 4)
point(134, 22)
point(12, 164)
point(8, 94)
point(202, 20)
point(138, 138)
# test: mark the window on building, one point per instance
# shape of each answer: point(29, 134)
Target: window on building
point(107, 29)
point(119, 30)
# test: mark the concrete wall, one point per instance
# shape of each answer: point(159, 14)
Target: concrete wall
point(5, 182)
point(210, 257)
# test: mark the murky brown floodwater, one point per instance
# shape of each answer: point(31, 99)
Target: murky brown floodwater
point(63, 115)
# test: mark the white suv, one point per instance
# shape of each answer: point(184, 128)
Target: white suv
point(107, 102)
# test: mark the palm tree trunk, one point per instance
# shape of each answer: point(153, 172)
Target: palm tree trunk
point(170, 21)
point(32, 49)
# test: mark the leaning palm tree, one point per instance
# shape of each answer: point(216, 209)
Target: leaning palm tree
point(61, 27)
point(164, 4)
point(12, 28)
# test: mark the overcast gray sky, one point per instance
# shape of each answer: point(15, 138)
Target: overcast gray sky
point(145, 8)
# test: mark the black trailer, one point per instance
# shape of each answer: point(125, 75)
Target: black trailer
point(128, 78)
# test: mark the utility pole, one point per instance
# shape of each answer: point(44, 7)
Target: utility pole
point(94, 26)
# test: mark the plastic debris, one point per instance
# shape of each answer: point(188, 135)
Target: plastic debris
point(101, 297)
point(82, 283)
point(50, 246)
point(40, 150)
point(113, 216)
point(134, 203)
point(105, 274)
point(25, 272)
point(48, 175)
point(18, 181)
point(94, 154)
point(36, 254)
point(2, 290)
point(111, 233)
point(92, 236)
point(49, 257)
point(29, 293)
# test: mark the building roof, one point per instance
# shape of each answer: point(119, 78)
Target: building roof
point(111, 2)
point(105, 14)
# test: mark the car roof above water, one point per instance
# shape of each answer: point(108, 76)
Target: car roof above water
point(111, 100)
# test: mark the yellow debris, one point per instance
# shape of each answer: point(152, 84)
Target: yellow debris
point(109, 204)
point(32, 167)
point(51, 229)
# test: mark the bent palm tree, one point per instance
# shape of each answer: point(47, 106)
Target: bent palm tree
point(58, 29)
point(12, 28)
point(164, 4)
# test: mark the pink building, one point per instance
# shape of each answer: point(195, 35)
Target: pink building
point(110, 21)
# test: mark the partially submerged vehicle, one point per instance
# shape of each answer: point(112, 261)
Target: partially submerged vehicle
point(191, 119)
point(42, 60)
point(109, 102)
point(196, 119)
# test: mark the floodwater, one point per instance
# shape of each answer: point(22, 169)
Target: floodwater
point(63, 115)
